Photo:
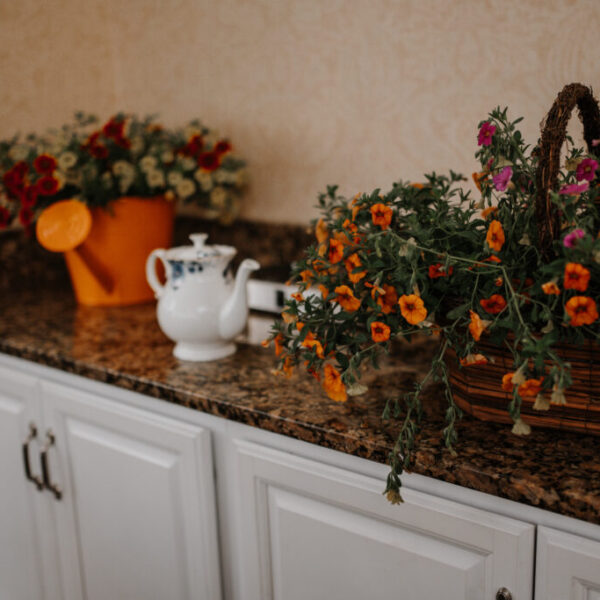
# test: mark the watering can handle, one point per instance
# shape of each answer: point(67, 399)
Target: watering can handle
point(155, 284)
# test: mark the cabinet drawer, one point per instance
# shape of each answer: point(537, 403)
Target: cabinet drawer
point(568, 566)
point(310, 530)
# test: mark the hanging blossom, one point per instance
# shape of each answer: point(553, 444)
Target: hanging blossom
point(586, 169)
point(571, 238)
point(502, 179)
point(484, 138)
point(574, 189)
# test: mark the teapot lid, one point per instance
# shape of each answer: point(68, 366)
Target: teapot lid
point(200, 250)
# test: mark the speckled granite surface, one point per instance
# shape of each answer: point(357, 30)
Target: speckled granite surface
point(124, 347)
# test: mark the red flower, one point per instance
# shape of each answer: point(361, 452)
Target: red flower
point(194, 146)
point(4, 217)
point(44, 163)
point(29, 197)
point(13, 180)
point(436, 271)
point(222, 147)
point(47, 186)
point(494, 304)
point(21, 169)
point(98, 151)
point(25, 216)
point(114, 128)
point(123, 142)
point(209, 161)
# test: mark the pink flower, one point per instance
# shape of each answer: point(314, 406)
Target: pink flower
point(574, 189)
point(586, 169)
point(485, 134)
point(595, 143)
point(501, 179)
point(571, 238)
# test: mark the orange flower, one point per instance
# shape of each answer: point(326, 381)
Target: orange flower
point(480, 178)
point(321, 231)
point(336, 251)
point(550, 288)
point(278, 344)
point(346, 299)
point(486, 212)
point(507, 382)
point(306, 276)
point(577, 277)
point(437, 270)
point(380, 332)
point(381, 215)
point(288, 317)
point(348, 224)
point(495, 236)
point(473, 359)
point(388, 300)
point(498, 281)
point(324, 291)
point(530, 388)
point(311, 342)
point(494, 304)
point(581, 310)
point(297, 296)
point(417, 186)
point(476, 326)
point(333, 385)
point(299, 325)
point(412, 308)
point(287, 367)
point(353, 262)
point(492, 258)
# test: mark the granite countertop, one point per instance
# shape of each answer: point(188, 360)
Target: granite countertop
point(553, 470)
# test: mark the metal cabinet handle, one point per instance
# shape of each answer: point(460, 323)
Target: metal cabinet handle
point(35, 479)
point(503, 594)
point(52, 487)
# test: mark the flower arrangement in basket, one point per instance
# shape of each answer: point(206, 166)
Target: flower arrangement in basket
point(510, 281)
point(126, 156)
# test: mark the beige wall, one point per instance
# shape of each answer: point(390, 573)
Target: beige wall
point(356, 92)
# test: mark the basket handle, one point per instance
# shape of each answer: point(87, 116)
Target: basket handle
point(554, 131)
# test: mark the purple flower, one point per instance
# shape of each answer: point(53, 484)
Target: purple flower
point(586, 169)
point(571, 238)
point(574, 189)
point(501, 179)
point(486, 132)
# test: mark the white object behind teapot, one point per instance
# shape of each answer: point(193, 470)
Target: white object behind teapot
point(201, 307)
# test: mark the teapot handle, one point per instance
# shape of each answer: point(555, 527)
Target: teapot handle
point(155, 284)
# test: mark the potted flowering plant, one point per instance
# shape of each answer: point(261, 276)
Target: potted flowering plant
point(129, 171)
point(510, 281)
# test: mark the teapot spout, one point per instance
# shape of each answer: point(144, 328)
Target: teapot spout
point(234, 314)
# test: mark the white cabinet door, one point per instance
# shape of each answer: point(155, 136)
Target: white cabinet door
point(309, 530)
point(20, 539)
point(137, 515)
point(567, 568)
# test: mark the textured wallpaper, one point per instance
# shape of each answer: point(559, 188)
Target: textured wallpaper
point(312, 92)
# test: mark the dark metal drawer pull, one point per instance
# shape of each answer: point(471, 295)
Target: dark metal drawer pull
point(52, 487)
point(35, 479)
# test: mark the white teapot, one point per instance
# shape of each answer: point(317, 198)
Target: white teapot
point(201, 307)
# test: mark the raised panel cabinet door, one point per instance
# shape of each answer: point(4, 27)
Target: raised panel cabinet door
point(20, 539)
point(310, 530)
point(567, 566)
point(136, 518)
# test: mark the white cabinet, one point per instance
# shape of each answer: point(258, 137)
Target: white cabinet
point(135, 516)
point(568, 566)
point(20, 538)
point(310, 530)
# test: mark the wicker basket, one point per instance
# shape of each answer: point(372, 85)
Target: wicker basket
point(478, 390)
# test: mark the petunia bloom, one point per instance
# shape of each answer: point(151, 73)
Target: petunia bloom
point(438, 270)
point(381, 215)
point(333, 384)
point(581, 310)
point(480, 179)
point(530, 388)
point(388, 300)
point(495, 236)
point(577, 277)
point(507, 382)
point(494, 304)
point(484, 137)
point(477, 326)
point(336, 251)
point(412, 308)
point(352, 263)
point(571, 238)
point(586, 169)
point(311, 342)
point(380, 332)
point(486, 212)
point(502, 179)
point(473, 359)
point(550, 288)
point(346, 299)
point(574, 189)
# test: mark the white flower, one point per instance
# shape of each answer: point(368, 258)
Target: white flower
point(596, 255)
point(406, 246)
point(155, 178)
point(541, 403)
point(548, 327)
point(191, 130)
point(519, 378)
point(147, 163)
point(174, 177)
point(218, 197)
point(211, 138)
point(241, 178)
point(221, 176)
point(123, 168)
point(60, 177)
point(18, 152)
point(525, 241)
point(106, 180)
point(187, 163)
point(204, 179)
point(67, 160)
point(521, 428)
point(558, 396)
point(167, 156)
point(137, 145)
point(357, 389)
point(125, 184)
point(185, 188)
